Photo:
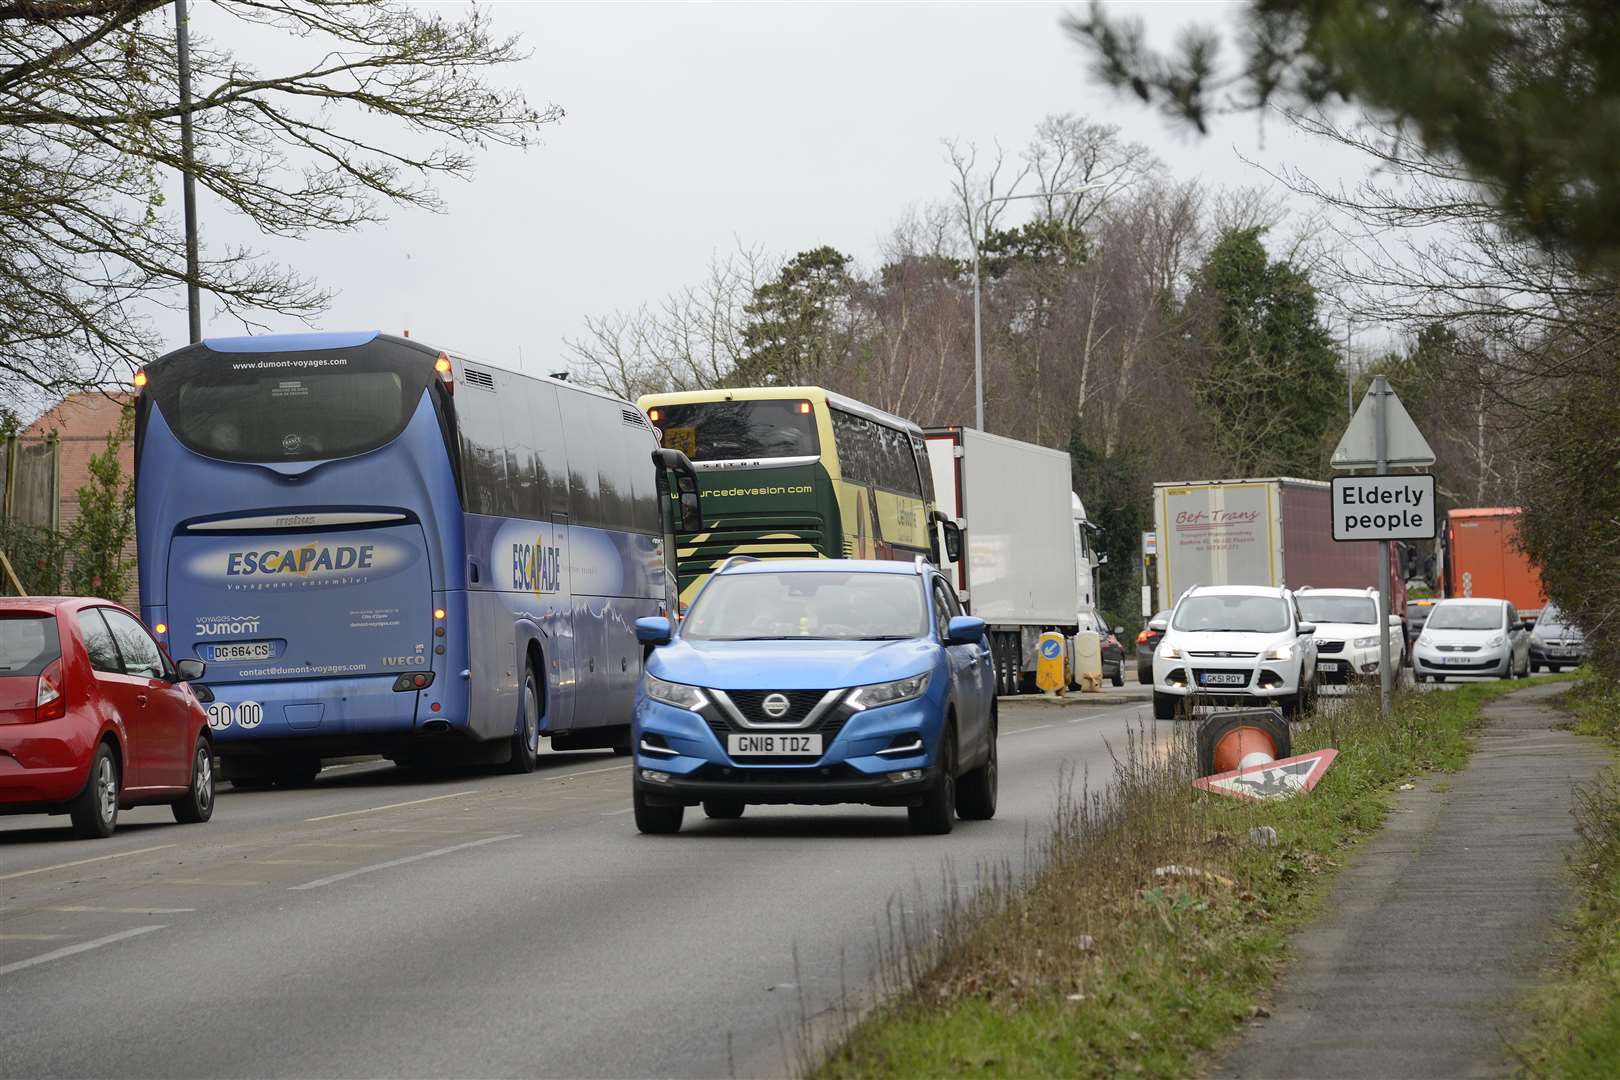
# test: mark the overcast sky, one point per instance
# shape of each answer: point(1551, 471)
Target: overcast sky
point(693, 128)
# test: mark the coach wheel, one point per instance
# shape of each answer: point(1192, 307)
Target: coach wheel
point(526, 739)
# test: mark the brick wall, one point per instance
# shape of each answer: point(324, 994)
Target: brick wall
point(82, 423)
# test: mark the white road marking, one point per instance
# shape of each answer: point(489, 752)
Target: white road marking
point(1023, 730)
point(126, 910)
point(73, 950)
point(616, 813)
point(394, 806)
point(318, 882)
point(209, 881)
point(589, 772)
point(81, 862)
point(32, 937)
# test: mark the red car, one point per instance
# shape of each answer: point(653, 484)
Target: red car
point(94, 716)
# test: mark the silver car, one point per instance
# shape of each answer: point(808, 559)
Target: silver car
point(1555, 642)
point(1472, 637)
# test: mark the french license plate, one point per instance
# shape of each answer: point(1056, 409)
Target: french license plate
point(1223, 678)
point(773, 745)
point(241, 650)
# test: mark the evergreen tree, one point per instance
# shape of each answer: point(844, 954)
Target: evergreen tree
point(797, 325)
point(1269, 374)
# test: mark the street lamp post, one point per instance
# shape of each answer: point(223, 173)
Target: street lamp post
point(187, 181)
point(978, 331)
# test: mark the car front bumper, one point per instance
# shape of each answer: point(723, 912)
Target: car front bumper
point(1427, 660)
point(1262, 679)
point(695, 765)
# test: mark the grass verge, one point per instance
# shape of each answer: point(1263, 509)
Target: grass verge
point(1579, 1030)
point(1155, 924)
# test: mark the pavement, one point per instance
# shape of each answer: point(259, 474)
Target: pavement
point(481, 924)
point(1442, 922)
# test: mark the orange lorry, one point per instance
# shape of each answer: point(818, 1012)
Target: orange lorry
point(1480, 556)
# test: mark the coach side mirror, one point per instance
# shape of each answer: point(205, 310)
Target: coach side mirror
point(189, 670)
point(653, 631)
point(953, 540)
point(691, 508)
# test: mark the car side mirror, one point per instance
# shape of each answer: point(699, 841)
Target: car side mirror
point(654, 630)
point(964, 630)
point(1102, 560)
point(1118, 630)
point(188, 670)
point(1306, 628)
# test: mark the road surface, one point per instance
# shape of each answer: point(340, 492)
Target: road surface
point(381, 923)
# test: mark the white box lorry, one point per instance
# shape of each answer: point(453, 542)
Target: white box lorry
point(1027, 562)
point(1273, 531)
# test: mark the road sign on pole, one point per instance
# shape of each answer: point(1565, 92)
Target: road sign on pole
point(1384, 507)
point(1404, 445)
point(1381, 434)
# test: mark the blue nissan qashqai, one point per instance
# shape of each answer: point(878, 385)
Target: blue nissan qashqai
point(817, 682)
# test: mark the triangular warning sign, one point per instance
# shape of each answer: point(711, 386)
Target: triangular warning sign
point(1273, 780)
point(1405, 445)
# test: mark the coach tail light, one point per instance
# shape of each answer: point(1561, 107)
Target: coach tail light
point(447, 374)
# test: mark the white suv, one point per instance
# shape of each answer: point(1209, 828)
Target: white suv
point(1235, 645)
point(1346, 635)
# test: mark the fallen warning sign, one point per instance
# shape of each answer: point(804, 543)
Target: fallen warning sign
point(1273, 779)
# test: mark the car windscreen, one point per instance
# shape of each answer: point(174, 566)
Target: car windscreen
point(1338, 609)
point(808, 605)
point(737, 430)
point(1244, 614)
point(28, 643)
point(1466, 617)
point(290, 406)
point(1552, 621)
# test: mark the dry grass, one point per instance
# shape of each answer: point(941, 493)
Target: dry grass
point(1151, 927)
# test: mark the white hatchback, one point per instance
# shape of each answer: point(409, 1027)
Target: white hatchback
point(1472, 637)
point(1235, 645)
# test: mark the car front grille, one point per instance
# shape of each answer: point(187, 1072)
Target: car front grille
point(1458, 648)
point(1226, 655)
point(751, 703)
point(1330, 646)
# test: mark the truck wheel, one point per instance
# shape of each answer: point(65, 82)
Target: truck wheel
point(724, 809)
point(1164, 706)
point(655, 820)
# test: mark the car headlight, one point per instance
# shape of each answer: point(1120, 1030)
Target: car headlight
point(1169, 651)
point(677, 694)
point(1496, 642)
point(1366, 642)
point(1281, 652)
point(887, 693)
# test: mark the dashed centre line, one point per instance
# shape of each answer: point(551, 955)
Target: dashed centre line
point(74, 950)
point(125, 910)
point(318, 882)
point(394, 806)
point(82, 862)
